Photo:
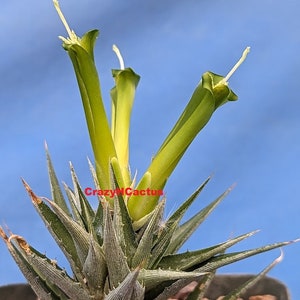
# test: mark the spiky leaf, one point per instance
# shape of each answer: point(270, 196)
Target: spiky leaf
point(189, 259)
point(128, 289)
point(56, 191)
point(37, 284)
point(143, 251)
point(95, 270)
point(153, 278)
point(184, 231)
point(116, 261)
point(123, 225)
point(58, 230)
point(80, 237)
point(225, 259)
point(238, 292)
point(162, 244)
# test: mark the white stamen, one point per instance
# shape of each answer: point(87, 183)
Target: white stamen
point(118, 53)
point(73, 37)
point(240, 61)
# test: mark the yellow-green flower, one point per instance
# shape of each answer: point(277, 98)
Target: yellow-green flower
point(211, 93)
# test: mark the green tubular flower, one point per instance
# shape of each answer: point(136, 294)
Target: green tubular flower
point(81, 52)
point(211, 93)
point(122, 95)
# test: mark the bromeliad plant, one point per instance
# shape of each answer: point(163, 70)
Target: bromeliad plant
point(121, 250)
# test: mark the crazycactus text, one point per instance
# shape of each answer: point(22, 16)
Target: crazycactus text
point(122, 191)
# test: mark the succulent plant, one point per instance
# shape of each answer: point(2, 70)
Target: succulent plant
point(124, 249)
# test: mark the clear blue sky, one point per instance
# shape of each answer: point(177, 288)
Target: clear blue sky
point(253, 142)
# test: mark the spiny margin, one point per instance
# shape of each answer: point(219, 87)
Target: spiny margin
point(58, 230)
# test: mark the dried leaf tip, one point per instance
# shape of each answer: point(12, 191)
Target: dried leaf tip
point(3, 234)
point(21, 242)
point(34, 198)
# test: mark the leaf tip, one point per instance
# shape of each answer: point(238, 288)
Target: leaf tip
point(3, 234)
point(280, 257)
point(46, 146)
point(21, 242)
point(34, 198)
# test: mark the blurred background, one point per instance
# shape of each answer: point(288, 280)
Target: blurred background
point(253, 142)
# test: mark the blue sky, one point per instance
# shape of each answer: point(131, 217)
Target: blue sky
point(253, 142)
